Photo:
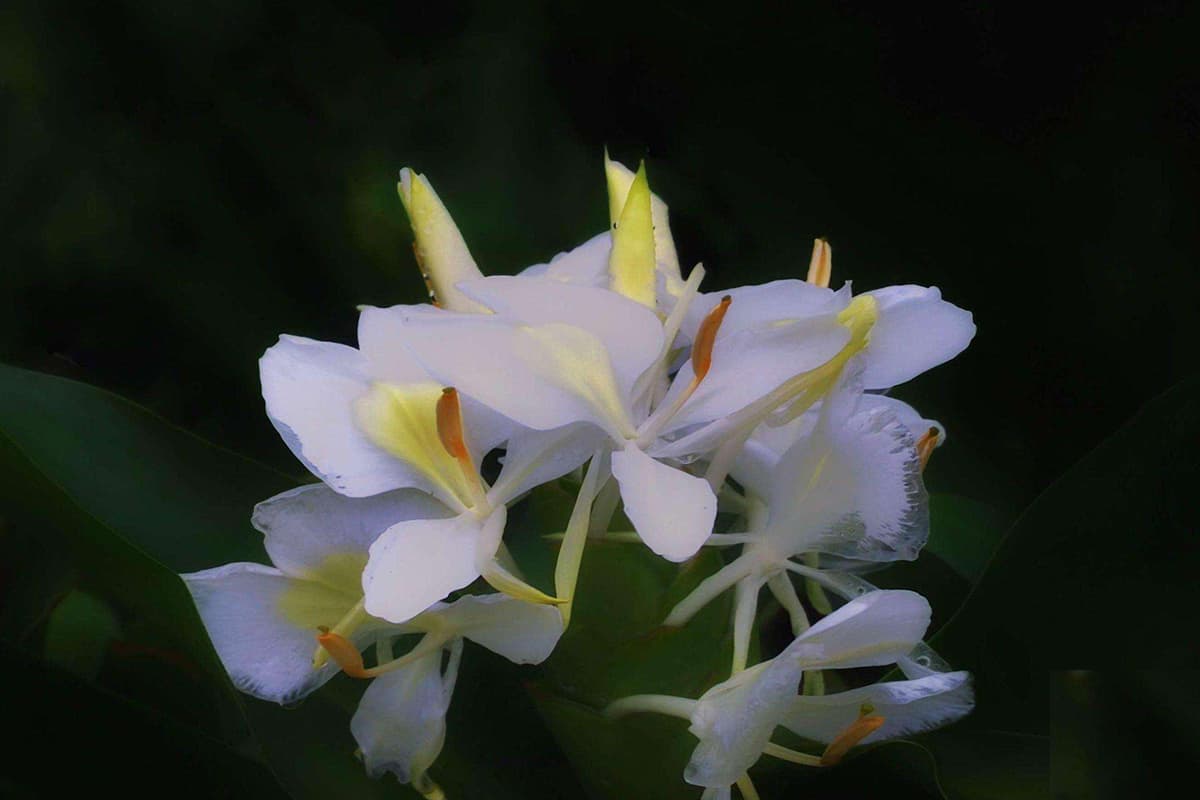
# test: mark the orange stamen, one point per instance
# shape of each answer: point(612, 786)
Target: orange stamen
point(820, 266)
point(343, 652)
point(926, 445)
point(860, 729)
point(705, 337)
point(450, 426)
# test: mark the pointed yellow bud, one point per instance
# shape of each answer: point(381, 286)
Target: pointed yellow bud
point(820, 266)
point(441, 252)
point(631, 263)
point(620, 178)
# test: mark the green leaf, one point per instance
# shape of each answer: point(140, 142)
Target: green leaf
point(963, 533)
point(79, 632)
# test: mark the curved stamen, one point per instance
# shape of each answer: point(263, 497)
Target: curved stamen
point(453, 438)
point(860, 729)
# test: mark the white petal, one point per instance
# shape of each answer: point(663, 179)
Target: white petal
point(536, 457)
point(400, 723)
point(672, 511)
point(416, 563)
point(631, 334)
point(263, 625)
point(917, 425)
point(907, 707)
point(540, 376)
point(873, 630)
point(310, 388)
point(524, 633)
point(916, 331)
point(755, 307)
point(315, 533)
point(751, 363)
point(734, 721)
point(381, 337)
point(586, 265)
point(852, 487)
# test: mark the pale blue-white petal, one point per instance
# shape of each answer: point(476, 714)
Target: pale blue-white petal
point(672, 511)
point(536, 457)
point(916, 331)
point(522, 632)
point(875, 629)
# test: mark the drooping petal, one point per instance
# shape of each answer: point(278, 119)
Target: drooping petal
point(542, 376)
point(876, 629)
point(414, 564)
point(524, 633)
point(441, 252)
point(672, 511)
point(263, 625)
point(310, 388)
point(907, 707)
point(315, 533)
point(400, 724)
point(536, 457)
point(734, 721)
point(630, 333)
point(916, 330)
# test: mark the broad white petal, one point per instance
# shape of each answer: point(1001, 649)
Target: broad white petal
point(310, 388)
point(263, 625)
point(734, 721)
point(630, 333)
point(876, 629)
point(400, 723)
point(536, 457)
point(586, 265)
point(414, 564)
point(672, 511)
point(315, 533)
point(381, 338)
point(542, 376)
point(756, 307)
point(524, 633)
point(917, 425)
point(916, 331)
point(907, 707)
point(751, 363)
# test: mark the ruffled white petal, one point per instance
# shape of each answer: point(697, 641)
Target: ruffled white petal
point(524, 633)
point(400, 724)
point(672, 511)
point(414, 564)
point(916, 330)
point(876, 629)
point(315, 533)
point(907, 707)
point(263, 625)
point(630, 333)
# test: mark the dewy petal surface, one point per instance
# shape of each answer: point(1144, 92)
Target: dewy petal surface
point(310, 388)
point(907, 707)
point(315, 533)
point(262, 624)
point(416, 563)
point(916, 330)
point(672, 510)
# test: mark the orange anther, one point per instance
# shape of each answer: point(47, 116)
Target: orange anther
point(820, 266)
point(703, 346)
point(860, 729)
point(450, 426)
point(926, 445)
point(343, 652)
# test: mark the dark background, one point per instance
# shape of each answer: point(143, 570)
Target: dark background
point(184, 181)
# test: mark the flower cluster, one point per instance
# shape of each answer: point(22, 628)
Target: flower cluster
point(766, 401)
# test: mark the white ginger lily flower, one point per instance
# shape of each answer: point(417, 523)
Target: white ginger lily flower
point(849, 484)
point(735, 719)
point(263, 620)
